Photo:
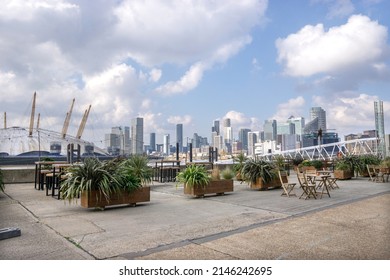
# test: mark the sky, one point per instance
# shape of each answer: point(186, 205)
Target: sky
point(193, 62)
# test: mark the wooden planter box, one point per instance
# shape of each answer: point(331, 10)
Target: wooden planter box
point(343, 174)
point(94, 199)
point(218, 187)
point(261, 186)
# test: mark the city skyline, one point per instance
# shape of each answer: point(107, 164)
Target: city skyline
point(201, 61)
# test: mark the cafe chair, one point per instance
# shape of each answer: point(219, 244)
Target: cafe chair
point(288, 188)
point(309, 189)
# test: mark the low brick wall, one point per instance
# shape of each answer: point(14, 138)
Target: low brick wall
point(18, 175)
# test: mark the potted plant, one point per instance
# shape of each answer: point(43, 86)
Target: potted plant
point(103, 183)
point(280, 162)
point(198, 182)
point(260, 174)
point(238, 165)
point(297, 162)
point(343, 170)
point(365, 160)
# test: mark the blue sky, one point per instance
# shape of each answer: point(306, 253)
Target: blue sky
point(192, 62)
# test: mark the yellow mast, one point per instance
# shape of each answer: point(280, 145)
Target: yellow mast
point(32, 116)
point(39, 117)
point(83, 122)
point(67, 120)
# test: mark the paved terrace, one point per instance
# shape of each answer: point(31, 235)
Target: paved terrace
point(245, 224)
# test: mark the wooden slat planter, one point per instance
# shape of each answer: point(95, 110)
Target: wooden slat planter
point(343, 174)
point(261, 186)
point(218, 187)
point(94, 199)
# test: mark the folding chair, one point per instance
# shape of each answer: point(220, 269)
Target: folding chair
point(288, 188)
point(333, 182)
point(312, 175)
point(309, 189)
point(371, 172)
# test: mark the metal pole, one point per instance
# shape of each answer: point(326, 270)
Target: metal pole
point(190, 152)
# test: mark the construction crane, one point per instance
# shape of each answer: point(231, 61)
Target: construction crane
point(83, 122)
point(32, 116)
point(67, 120)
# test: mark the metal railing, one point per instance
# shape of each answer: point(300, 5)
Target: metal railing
point(328, 151)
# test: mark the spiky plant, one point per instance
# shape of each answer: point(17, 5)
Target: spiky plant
point(255, 169)
point(193, 176)
point(93, 174)
point(137, 166)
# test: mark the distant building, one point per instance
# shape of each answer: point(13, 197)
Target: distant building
point(199, 141)
point(270, 130)
point(167, 146)
point(218, 142)
point(216, 127)
point(380, 126)
point(312, 139)
point(179, 136)
point(118, 141)
point(288, 142)
point(318, 112)
point(152, 144)
point(137, 135)
point(227, 132)
point(236, 147)
point(311, 127)
point(299, 124)
point(387, 145)
point(243, 138)
point(252, 140)
point(284, 128)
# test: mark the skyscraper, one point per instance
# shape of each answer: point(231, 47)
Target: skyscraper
point(166, 149)
point(215, 128)
point(152, 141)
point(118, 141)
point(270, 130)
point(252, 140)
point(318, 112)
point(179, 136)
point(299, 123)
point(243, 138)
point(380, 126)
point(227, 131)
point(137, 135)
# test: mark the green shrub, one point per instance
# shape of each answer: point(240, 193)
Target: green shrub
point(227, 173)
point(255, 169)
point(193, 175)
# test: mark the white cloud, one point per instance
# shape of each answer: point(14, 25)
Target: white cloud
point(155, 75)
point(312, 50)
point(114, 93)
point(12, 9)
point(337, 8)
point(188, 82)
point(112, 54)
point(340, 8)
point(185, 120)
point(179, 31)
point(293, 107)
point(239, 120)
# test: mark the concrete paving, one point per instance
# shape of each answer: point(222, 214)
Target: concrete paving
point(246, 224)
